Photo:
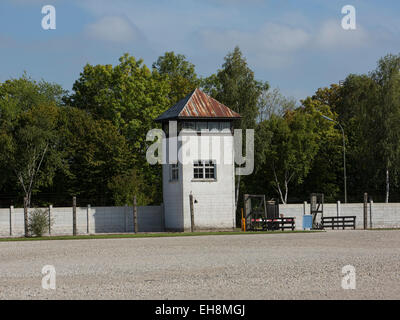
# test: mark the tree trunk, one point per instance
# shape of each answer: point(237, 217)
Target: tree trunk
point(286, 191)
point(278, 187)
point(28, 199)
point(26, 230)
point(387, 186)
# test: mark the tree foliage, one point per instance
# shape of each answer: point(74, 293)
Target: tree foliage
point(129, 95)
point(181, 75)
point(28, 123)
point(92, 144)
point(235, 86)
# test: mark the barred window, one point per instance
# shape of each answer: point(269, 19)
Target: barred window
point(174, 175)
point(207, 126)
point(189, 125)
point(201, 126)
point(204, 169)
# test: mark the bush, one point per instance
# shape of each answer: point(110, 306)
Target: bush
point(39, 222)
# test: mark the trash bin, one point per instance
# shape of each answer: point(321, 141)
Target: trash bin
point(307, 221)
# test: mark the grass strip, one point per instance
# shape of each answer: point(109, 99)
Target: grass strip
point(150, 235)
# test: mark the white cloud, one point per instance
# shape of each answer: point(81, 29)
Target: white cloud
point(113, 29)
point(332, 35)
point(270, 46)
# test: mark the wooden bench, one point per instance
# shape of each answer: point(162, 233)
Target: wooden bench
point(339, 222)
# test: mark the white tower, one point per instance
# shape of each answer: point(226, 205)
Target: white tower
point(199, 162)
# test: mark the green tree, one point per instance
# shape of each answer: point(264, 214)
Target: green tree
point(387, 76)
point(288, 158)
point(326, 173)
point(181, 74)
point(129, 184)
point(93, 153)
point(131, 97)
point(32, 155)
point(235, 86)
point(28, 130)
point(274, 102)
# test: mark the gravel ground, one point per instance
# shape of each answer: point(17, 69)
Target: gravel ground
point(280, 266)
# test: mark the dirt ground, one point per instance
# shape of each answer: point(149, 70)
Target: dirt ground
point(264, 266)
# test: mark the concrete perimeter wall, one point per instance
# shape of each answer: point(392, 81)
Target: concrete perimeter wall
point(90, 220)
point(384, 215)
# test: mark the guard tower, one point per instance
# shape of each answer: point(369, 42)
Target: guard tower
point(199, 161)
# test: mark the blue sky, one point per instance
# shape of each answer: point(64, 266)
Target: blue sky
point(295, 45)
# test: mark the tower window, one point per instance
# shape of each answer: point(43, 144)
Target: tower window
point(174, 174)
point(204, 169)
point(204, 125)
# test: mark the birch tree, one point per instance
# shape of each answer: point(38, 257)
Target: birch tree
point(33, 156)
point(387, 76)
point(290, 152)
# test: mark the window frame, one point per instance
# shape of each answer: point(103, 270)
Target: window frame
point(174, 172)
point(200, 168)
point(205, 126)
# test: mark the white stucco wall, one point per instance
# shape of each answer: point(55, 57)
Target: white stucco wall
point(215, 207)
point(172, 191)
point(94, 220)
point(384, 215)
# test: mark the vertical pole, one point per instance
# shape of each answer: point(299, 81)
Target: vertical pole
point(135, 220)
point(74, 216)
point(11, 220)
point(344, 164)
point(370, 213)
point(365, 211)
point(163, 216)
point(338, 209)
point(191, 213)
point(241, 223)
point(126, 218)
point(88, 219)
point(304, 207)
point(26, 217)
point(50, 209)
point(245, 196)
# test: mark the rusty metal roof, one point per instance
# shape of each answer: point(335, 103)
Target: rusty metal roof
point(198, 105)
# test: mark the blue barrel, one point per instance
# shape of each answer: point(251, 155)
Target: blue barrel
point(307, 221)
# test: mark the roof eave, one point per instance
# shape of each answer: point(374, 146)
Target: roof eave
point(200, 118)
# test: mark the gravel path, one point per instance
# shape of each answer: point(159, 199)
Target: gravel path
point(281, 266)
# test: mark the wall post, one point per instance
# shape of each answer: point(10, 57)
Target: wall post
point(192, 227)
point(126, 218)
point(88, 219)
point(163, 216)
point(50, 210)
point(135, 219)
point(370, 213)
point(365, 211)
point(74, 216)
point(338, 208)
point(11, 219)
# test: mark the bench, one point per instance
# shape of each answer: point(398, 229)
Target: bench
point(339, 222)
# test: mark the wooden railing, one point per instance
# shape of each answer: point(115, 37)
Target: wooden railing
point(339, 222)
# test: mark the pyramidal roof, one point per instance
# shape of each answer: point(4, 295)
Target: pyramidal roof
point(198, 105)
